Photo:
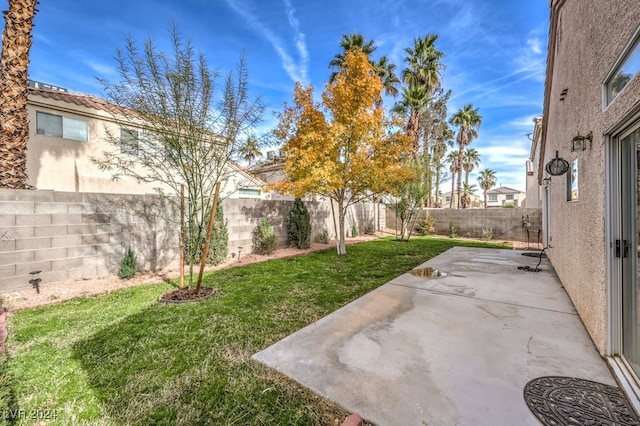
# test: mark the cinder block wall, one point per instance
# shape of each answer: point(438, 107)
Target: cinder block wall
point(505, 224)
point(70, 235)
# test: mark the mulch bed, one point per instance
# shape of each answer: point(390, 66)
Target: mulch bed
point(186, 294)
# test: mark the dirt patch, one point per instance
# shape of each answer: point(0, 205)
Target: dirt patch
point(65, 290)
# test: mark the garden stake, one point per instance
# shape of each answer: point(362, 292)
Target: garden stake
point(181, 236)
point(205, 250)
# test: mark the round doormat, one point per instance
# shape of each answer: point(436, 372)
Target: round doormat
point(560, 401)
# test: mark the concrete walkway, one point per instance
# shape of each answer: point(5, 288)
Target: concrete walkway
point(454, 350)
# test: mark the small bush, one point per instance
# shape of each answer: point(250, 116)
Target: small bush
point(427, 226)
point(219, 243)
point(508, 206)
point(128, 265)
point(453, 227)
point(324, 237)
point(487, 233)
point(264, 238)
point(354, 231)
point(299, 227)
point(369, 229)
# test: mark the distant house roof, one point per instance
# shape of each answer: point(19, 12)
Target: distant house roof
point(79, 99)
point(268, 167)
point(504, 190)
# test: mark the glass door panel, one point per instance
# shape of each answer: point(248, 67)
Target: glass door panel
point(627, 248)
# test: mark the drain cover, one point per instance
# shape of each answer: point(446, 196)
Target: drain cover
point(529, 254)
point(427, 272)
point(570, 401)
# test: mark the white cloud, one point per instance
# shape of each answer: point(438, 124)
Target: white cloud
point(295, 71)
point(100, 69)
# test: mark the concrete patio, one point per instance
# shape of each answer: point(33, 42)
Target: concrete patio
point(452, 350)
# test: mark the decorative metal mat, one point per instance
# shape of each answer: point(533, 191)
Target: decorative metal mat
point(560, 401)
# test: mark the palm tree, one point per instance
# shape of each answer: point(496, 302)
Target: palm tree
point(250, 151)
point(414, 100)
point(424, 63)
point(384, 68)
point(470, 161)
point(442, 142)
point(487, 180)
point(14, 63)
point(468, 120)
point(422, 76)
point(387, 73)
point(467, 192)
point(452, 159)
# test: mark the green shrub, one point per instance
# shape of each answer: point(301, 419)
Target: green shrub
point(426, 226)
point(354, 231)
point(299, 226)
point(264, 238)
point(369, 229)
point(487, 233)
point(324, 237)
point(219, 243)
point(508, 206)
point(453, 227)
point(128, 265)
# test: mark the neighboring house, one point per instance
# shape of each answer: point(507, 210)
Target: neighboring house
point(446, 201)
point(67, 129)
point(591, 132)
point(498, 197)
point(271, 172)
point(533, 191)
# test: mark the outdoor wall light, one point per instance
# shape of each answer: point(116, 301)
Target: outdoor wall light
point(558, 166)
point(579, 143)
point(546, 181)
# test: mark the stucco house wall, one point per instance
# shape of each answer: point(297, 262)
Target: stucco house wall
point(586, 40)
point(60, 164)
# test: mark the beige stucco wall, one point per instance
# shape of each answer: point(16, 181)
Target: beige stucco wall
point(590, 37)
point(65, 165)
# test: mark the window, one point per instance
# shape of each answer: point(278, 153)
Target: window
point(509, 196)
point(247, 192)
point(572, 181)
point(447, 199)
point(61, 127)
point(493, 197)
point(623, 74)
point(129, 141)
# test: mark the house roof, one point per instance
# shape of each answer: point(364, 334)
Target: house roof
point(504, 190)
point(79, 99)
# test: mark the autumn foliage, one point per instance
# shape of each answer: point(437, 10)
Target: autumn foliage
point(344, 147)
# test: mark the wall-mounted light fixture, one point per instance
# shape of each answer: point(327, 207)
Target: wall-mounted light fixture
point(558, 166)
point(546, 181)
point(579, 143)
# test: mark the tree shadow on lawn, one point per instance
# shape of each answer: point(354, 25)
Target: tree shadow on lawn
point(191, 364)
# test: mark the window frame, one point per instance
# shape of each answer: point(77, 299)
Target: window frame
point(632, 49)
point(62, 133)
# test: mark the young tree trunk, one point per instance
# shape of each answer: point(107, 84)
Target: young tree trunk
point(453, 189)
point(342, 246)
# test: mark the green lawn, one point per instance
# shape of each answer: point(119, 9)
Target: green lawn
point(122, 358)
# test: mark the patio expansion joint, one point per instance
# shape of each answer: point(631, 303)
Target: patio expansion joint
point(444, 293)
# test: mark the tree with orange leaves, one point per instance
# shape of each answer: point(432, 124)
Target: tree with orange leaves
point(344, 147)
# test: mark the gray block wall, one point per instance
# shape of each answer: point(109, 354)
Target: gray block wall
point(69, 235)
point(505, 224)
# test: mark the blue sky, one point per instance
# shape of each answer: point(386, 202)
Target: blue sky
point(495, 51)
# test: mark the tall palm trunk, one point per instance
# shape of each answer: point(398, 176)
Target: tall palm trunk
point(14, 64)
point(459, 172)
point(453, 189)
